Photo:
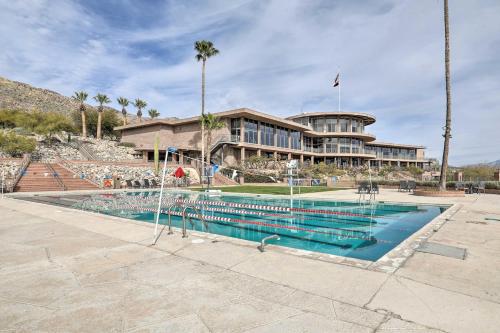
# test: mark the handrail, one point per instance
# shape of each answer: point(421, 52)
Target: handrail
point(24, 165)
point(200, 217)
point(56, 176)
point(226, 138)
point(264, 240)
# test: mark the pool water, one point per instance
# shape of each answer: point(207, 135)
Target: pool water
point(343, 228)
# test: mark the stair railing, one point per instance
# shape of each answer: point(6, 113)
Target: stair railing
point(56, 176)
point(24, 165)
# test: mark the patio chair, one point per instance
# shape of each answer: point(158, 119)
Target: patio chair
point(403, 185)
point(412, 185)
point(363, 187)
point(478, 187)
point(146, 183)
point(154, 183)
point(137, 184)
point(374, 188)
point(459, 186)
point(129, 183)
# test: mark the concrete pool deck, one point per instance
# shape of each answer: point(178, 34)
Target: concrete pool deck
point(63, 270)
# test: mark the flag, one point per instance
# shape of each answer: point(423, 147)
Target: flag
point(179, 173)
point(336, 83)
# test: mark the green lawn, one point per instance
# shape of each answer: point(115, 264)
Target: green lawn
point(263, 189)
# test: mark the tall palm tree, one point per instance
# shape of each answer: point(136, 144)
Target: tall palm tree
point(124, 103)
point(447, 127)
point(211, 123)
point(139, 104)
point(205, 50)
point(81, 97)
point(153, 113)
point(101, 99)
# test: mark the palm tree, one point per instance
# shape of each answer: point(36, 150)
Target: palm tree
point(211, 123)
point(124, 103)
point(101, 99)
point(153, 113)
point(205, 50)
point(447, 127)
point(81, 97)
point(139, 104)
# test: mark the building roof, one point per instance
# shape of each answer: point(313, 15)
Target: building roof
point(393, 145)
point(369, 119)
point(236, 113)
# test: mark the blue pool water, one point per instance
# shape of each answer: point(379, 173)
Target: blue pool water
point(343, 228)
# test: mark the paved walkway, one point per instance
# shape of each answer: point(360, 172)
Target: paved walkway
point(63, 270)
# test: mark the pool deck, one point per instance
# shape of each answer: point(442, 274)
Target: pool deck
point(63, 270)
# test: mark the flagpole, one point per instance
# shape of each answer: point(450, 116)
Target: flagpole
point(339, 95)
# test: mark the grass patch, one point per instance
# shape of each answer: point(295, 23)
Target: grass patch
point(262, 189)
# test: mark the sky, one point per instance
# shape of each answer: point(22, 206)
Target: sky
point(276, 56)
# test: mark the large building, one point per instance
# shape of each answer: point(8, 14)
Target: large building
point(330, 137)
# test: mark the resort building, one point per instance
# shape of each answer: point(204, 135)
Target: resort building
point(330, 137)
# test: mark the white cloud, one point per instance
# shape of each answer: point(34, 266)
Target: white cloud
point(278, 57)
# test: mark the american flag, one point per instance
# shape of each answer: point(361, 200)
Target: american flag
point(336, 83)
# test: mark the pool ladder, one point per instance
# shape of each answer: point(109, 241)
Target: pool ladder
point(264, 240)
point(185, 218)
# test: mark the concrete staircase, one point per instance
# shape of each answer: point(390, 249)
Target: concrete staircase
point(71, 180)
point(221, 180)
point(39, 177)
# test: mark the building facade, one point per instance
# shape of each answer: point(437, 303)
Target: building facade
point(330, 137)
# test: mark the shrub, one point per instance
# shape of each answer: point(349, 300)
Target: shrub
point(127, 144)
point(16, 145)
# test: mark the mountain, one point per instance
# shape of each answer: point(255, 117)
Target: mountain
point(22, 96)
point(494, 163)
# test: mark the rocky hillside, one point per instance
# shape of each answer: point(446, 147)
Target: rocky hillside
point(22, 96)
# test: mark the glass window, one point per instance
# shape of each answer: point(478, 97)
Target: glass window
point(354, 126)
point(295, 137)
point(250, 131)
point(266, 134)
point(344, 125)
point(331, 145)
point(318, 145)
point(282, 137)
point(356, 146)
point(345, 145)
point(331, 125)
point(307, 143)
point(235, 130)
point(318, 124)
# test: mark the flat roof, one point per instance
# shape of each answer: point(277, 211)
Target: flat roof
point(368, 118)
point(242, 112)
point(395, 145)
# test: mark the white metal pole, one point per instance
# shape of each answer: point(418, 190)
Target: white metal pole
point(3, 180)
point(161, 194)
point(339, 92)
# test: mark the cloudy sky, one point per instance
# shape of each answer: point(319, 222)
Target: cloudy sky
point(278, 57)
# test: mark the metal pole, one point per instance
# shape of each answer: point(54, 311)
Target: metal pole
point(3, 180)
point(161, 194)
point(339, 92)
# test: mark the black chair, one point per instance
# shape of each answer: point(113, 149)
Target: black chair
point(137, 184)
point(459, 186)
point(412, 185)
point(154, 183)
point(363, 187)
point(374, 188)
point(403, 186)
point(129, 183)
point(478, 187)
point(146, 183)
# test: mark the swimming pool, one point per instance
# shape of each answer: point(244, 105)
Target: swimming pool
point(344, 228)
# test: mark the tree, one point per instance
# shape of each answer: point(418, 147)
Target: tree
point(110, 120)
point(101, 99)
point(16, 145)
point(211, 123)
point(124, 103)
point(447, 127)
point(51, 123)
point(139, 104)
point(153, 113)
point(205, 50)
point(81, 97)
